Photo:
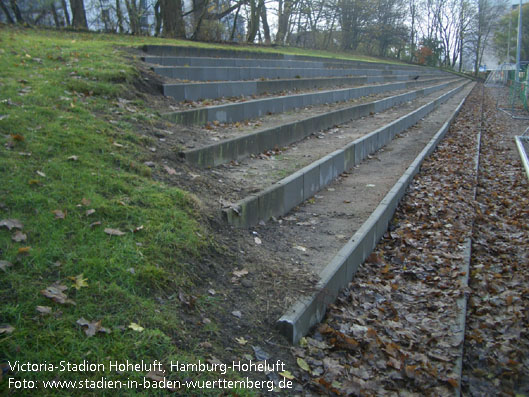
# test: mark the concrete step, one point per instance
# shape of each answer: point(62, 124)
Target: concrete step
point(228, 89)
point(184, 51)
point(289, 192)
point(270, 63)
point(337, 272)
point(258, 141)
point(245, 73)
point(247, 110)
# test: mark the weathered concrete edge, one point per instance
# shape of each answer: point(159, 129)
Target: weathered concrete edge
point(310, 310)
point(214, 90)
point(178, 50)
point(461, 301)
point(284, 195)
point(523, 154)
point(232, 112)
point(258, 141)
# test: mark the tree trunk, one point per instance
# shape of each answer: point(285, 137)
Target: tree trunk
point(266, 27)
point(79, 14)
point(56, 19)
point(6, 12)
point(158, 19)
point(119, 16)
point(134, 21)
point(66, 14)
point(172, 19)
point(16, 11)
point(200, 8)
point(232, 36)
point(285, 8)
point(253, 24)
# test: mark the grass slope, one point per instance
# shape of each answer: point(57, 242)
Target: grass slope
point(67, 145)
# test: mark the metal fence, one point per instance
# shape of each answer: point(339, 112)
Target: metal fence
point(512, 95)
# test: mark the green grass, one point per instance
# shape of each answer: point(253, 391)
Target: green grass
point(59, 97)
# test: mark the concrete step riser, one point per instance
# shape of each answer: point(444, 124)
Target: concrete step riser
point(180, 51)
point(284, 195)
point(237, 74)
point(237, 62)
point(310, 310)
point(196, 91)
point(233, 112)
point(259, 141)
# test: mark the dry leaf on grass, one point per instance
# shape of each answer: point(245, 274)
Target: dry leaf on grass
point(4, 265)
point(11, 223)
point(19, 236)
point(6, 329)
point(78, 281)
point(92, 327)
point(43, 309)
point(114, 232)
point(55, 292)
point(59, 214)
point(136, 327)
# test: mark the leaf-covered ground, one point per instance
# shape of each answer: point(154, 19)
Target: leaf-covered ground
point(497, 335)
point(396, 330)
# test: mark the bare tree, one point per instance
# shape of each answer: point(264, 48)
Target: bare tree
point(79, 14)
point(172, 19)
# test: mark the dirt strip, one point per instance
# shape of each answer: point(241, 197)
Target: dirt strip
point(391, 331)
point(496, 361)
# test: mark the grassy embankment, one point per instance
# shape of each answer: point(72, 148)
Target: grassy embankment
point(71, 166)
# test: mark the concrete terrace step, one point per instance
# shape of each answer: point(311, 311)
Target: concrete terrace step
point(184, 51)
point(289, 192)
point(258, 141)
point(271, 63)
point(239, 111)
point(245, 73)
point(214, 90)
point(338, 271)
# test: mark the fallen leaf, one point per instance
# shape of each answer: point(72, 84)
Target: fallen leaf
point(19, 237)
point(42, 174)
point(241, 341)
point(157, 376)
point(170, 171)
point(260, 354)
point(136, 327)
point(55, 292)
point(90, 212)
point(6, 329)
point(4, 265)
point(85, 201)
point(59, 214)
point(287, 374)
point(303, 364)
point(43, 309)
point(118, 144)
point(92, 327)
point(73, 158)
point(79, 281)
point(97, 223)
point(240, 273)
point(114, 232)
point(237, 313)
point(11, 223)
point(24, 250)
point(18, 137)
